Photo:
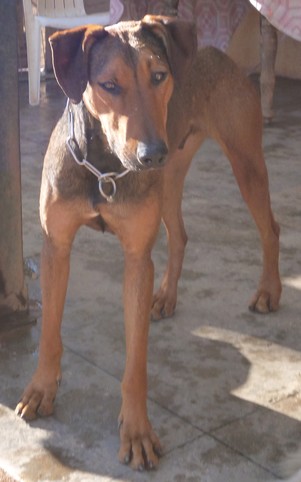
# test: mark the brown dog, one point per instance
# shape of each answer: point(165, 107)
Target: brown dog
point(140, 96)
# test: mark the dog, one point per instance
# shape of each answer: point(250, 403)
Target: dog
point(141, 102)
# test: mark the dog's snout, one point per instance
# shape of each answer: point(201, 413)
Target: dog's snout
point(152, 155)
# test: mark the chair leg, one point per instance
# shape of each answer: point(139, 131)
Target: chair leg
point(33, 40)
point(268, 58)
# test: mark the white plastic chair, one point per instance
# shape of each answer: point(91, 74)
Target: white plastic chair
point(56, 14)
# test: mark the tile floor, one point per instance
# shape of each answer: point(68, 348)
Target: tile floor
point(224, 384)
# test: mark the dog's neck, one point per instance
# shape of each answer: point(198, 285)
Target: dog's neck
point(96, 152)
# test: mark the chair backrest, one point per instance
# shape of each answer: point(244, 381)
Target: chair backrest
point(60, 8)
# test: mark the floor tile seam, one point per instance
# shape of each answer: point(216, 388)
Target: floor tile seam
point(164, 407)
point(224, 444)
point(202, 432)
point(213, 433)
point(90, 362)
point(231, 422)
point(185, 444)
point(175, 448)
point(107, 372)
point(151, 399)
point(246, 457)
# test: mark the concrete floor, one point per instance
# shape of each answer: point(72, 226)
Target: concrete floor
point(224, 384)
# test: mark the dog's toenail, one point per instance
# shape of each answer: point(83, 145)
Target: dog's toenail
point(158, 451)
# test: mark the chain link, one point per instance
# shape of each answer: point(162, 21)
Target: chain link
point(103, 178)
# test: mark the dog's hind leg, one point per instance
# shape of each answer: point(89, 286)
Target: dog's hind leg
point(250, 171)
point(59, 227)
point(236, 124)
point(165, 299)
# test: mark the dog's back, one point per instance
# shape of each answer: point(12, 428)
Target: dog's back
point(214, 90)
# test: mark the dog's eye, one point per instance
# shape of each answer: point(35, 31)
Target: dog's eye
point(158, 77)
point(111, 87)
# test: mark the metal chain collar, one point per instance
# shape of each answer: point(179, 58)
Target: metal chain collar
point(107, 178)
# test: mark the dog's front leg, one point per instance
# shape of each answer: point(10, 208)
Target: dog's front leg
point(140, 446)
point(39, 395)
point(139, 443)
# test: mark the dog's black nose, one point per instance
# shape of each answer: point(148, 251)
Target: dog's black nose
point(153, 154)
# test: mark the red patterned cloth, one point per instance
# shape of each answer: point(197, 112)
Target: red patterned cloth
point(285, 15)
point(116, 10)
point(216, 20)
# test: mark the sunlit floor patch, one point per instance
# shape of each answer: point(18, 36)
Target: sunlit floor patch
point(269, 362)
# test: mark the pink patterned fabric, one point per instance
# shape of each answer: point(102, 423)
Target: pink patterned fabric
point(285, 15)
point(216, 20)
point(136, 9)
point(116, 11)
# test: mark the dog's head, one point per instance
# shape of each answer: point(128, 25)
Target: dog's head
point(125, 74)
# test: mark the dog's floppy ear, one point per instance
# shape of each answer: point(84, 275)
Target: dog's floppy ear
point(179, 38)
point(70, 50)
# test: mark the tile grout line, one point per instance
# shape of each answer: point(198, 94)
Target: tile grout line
point(208, 433)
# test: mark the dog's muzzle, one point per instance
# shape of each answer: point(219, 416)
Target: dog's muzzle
point(152, 155)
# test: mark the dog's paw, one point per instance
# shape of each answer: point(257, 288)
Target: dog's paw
point(265, 300)
point(140, 447)
point(37, 399)
point(163, 305)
